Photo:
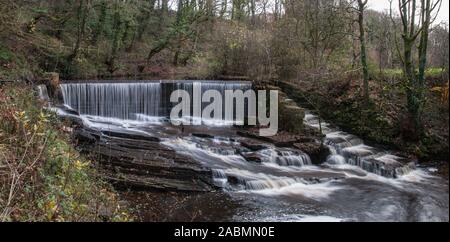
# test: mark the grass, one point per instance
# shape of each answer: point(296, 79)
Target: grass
point(397, 73)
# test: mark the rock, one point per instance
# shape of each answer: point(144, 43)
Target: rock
point(286, 139)
point(85, 137)
point(200, 135)
point(282, 139)
point(380, 163)
point(66, 110)
point(67, 115)
point(252, 157)
point(253, 145)
point(233, 180)
point(291, 118)
point(127, 135)
point(51, 81)
point(316, 151)
point(141, 162)
point(288, 102)
point(270, 87)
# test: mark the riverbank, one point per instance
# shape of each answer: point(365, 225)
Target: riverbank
point(42, 177)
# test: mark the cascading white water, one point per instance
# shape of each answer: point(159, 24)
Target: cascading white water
point(285, 157)
point(136, 100)
point(113, 100)
point(43, 93)
point(220, 87)
point(234, 172)
point(349, 149)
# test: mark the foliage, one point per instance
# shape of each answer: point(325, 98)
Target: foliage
point(443, 91)
point(204, 66)
point(42, 178)
point(397, 73)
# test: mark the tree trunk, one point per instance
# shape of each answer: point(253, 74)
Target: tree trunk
point(363, 55)
point(82, 12)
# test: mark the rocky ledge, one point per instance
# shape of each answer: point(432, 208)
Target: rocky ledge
point(136, 162)
point(309, 144)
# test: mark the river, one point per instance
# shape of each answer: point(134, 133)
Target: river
point(283, 184)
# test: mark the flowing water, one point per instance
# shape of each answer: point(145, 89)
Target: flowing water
point(283, 185)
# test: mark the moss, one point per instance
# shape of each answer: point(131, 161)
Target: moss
point(5, 54)
point(291, 118)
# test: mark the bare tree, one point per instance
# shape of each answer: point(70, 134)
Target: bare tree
point(362, 40)
point(415, 30)
point(439, 48)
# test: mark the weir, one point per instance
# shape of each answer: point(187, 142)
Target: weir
point(134, 100)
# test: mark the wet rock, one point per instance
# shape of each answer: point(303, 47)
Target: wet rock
point(84, 137)
point(139, 162)
point(282, 139)
point(128, 135)
point(285, 139)
point(67, 115)
point(253, 145)
point(233, 180)
point(200, 135)
point(252, 157)
point(316, 151)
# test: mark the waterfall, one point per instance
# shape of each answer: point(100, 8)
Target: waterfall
point(113, 100)
point(135, 100)
point(42, 93)
point(219, 86)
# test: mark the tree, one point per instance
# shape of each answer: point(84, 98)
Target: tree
point(415, 30)
point(362, 40)
point(324, 28)
point(439, 48)
point(101, 22)
point(82, 15)
point(147, 11)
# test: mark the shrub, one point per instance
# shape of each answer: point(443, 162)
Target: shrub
point(42, 178)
